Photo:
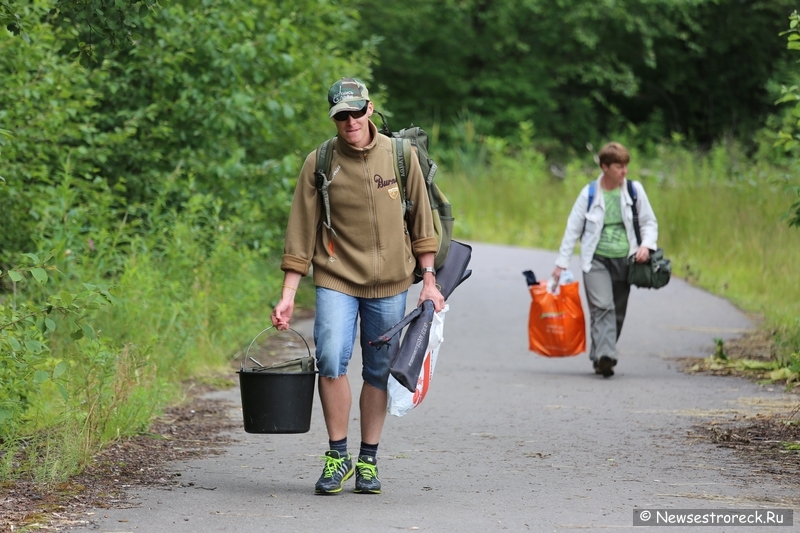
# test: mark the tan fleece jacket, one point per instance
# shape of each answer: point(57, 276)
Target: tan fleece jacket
point(371, 254)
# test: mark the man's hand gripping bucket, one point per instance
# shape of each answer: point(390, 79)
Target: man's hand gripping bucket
point(277, 398)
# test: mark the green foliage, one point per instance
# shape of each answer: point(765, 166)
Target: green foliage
point(789, 138)
point(231, 94)
point(93, 21)
point(719, 351)
point(789, 135)
point(46, 109)
point(576, 68)
point(186, 299)
point(26, 328)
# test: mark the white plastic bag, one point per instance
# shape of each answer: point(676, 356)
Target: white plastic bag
point(401, 401)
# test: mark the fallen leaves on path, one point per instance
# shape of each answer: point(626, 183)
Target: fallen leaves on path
point(192, 430)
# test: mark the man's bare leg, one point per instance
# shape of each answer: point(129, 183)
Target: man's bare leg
point(373, 413)
point(336, 398)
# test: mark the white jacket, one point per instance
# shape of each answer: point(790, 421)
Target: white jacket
point(590, 237)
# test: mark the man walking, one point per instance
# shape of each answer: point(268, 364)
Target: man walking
point(363, 264)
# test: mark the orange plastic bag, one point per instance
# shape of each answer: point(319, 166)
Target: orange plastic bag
point(556, 327)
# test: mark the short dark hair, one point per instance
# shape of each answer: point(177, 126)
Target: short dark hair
point(614, 152)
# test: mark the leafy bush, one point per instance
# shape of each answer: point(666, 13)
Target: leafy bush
point(25, 331)
point(46, 110)
point(230, 93)
point(185, 299)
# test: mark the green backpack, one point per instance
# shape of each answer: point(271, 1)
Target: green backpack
point(402, 141)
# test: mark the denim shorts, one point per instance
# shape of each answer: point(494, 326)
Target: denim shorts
point(335, 333)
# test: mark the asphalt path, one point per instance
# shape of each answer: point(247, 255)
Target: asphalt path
point(506, 439)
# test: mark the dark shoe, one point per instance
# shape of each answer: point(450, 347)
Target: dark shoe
point(367, 481)
point(337, 470)
point(605, 366)
point(597, 370)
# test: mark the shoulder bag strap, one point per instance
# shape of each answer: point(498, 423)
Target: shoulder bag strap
point(632, 192)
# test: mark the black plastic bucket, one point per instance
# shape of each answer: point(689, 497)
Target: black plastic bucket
point(275, 401)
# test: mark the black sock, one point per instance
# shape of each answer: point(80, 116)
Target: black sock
point(370, 450)
point(339, 446)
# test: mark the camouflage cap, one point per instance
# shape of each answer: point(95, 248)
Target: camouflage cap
point(347, 94)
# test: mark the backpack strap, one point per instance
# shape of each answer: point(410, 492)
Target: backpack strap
point(632, 192)
point(401, 150)
point(592, 190)
point(323, 168)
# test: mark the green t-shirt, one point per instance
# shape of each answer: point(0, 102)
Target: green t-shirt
point(614, 239)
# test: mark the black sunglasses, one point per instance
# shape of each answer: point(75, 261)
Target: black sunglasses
point(341, 116)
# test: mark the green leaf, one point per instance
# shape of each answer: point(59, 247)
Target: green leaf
point(40, 376)
point(33, 257)
point(33, 345)
point(15, 345)
point(14, 275)
point(63, 391)
point(59, 370)
point(66, 298)
point(77, 334)
point(51, 326)
point(88, 330)
point(39, 274)
point(113, 300)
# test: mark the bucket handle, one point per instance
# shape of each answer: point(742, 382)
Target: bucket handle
point(247, 353)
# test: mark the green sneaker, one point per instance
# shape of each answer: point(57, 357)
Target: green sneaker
point(337, 470)
point(367, 481)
